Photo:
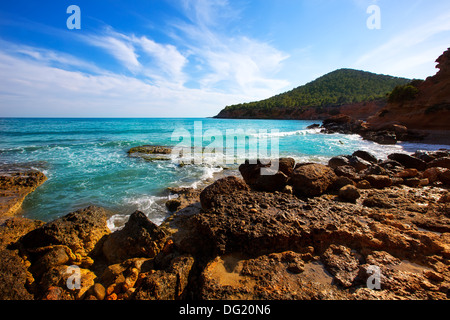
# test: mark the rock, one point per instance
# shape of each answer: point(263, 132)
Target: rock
point(276, 181)
point(342, 264)
point(13, 277)
point(75, 282)
point(99, 291)
point(347, 171)
point(432, 174)
point(338, 161)
point(139, 238)
point(227, 185)
point(378, 201)
point(81, 231)
point(383, 137)
point(169, 284)
point(358, 163)
point(54, 256)
point(408, 173)
point(440, 162)
point(149, 149)
point(445, 198)
point(312, 180)
point(342, 182)
point(349, 193)
point(286, 165)
point(412, 182)
point(409, 161)
point(16, 182)
point(173, 205)
point(365, 155)
point(444, 177)
point(374, 170)
point(363, 184)
point(391, 165)
point(378, 181)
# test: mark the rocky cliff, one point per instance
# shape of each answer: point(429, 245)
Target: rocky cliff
point(430, 110)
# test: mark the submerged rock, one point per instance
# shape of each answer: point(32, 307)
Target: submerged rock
point(16, 182)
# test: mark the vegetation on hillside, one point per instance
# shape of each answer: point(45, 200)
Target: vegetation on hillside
point(344, 86)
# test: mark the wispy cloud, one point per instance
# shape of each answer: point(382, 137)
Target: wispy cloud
point(407, 50)
point(229, 62)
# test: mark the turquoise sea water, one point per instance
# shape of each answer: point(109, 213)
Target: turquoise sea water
point(86, 160)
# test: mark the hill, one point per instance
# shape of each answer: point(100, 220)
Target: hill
point(322, 97)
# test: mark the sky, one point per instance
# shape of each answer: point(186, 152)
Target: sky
point(191, 58)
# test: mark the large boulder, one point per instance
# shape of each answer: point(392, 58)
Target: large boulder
point(271, 182)
point(408, 161)
point(82, 231)
point(440, 162)
point(312, 179)
point(139, 238)
point(228, 185)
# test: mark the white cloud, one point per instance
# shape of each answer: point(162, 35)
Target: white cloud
point(230, 63)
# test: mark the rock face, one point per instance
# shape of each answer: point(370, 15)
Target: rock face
point(16, 182)
point(430, 110)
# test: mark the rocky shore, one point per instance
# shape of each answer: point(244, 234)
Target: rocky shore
point(310, 231)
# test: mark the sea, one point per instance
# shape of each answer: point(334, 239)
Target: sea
point(87, 163)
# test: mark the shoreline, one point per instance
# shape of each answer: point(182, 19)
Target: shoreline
point(313, 230)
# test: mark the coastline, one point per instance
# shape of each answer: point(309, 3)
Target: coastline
point(314, 230)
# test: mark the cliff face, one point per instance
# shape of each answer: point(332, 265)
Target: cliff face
point(430, 110)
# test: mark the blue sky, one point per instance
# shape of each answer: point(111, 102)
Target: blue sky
point(191, 58)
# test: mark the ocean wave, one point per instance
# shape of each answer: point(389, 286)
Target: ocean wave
point(287, 133)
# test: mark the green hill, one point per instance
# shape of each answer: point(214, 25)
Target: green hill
point(340, 87)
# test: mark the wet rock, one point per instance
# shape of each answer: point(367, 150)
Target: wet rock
point(82, 231)
point(312, 180)
point(358, 163)
point(338, 161)
point(16, 182)
point(409, 161)
point(139, 238)
point(173, 205)
point(365, 155)
point(227, 185)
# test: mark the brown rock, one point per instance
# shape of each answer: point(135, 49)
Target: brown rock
point(139, 238)
point(16, 183)
point(408, 173)
point(440, 162)
point(81, 231)
point(409, 161)
point(267, 181)
point(312, 180)
point(227, 185)
point(363, 184)
point(379, 182)
point(349, 193)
